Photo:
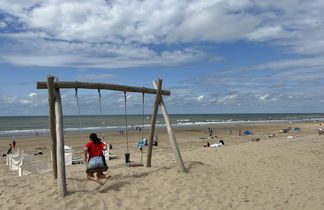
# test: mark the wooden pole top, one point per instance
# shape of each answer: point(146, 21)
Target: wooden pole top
point(102, 86)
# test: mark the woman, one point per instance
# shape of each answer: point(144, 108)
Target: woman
point(96, 160)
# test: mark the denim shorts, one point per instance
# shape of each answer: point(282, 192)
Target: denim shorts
point(96, 162)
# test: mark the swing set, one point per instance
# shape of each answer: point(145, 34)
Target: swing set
point(56, 120)
point(127, 154)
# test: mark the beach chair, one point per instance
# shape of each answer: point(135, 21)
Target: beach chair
point(77, 155)
point(14, 162)
point(12, 155)
point(68, 155)
point(109, 155)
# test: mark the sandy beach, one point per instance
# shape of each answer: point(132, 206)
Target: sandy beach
point(273, 173)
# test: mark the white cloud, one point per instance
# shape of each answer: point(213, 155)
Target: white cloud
point(47, 53)
point(96, 77)
point(2, 24)
point(266, 33)
point(266, 98)
point(24, 101)
point(117, 34)
point(228, 99)
point(122, 34)
point(200, 98)
point(32, 94)
point(9, 100)
point(317, 61)
point(214, 23)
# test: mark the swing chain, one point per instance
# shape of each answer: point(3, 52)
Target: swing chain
point(143, 101)
point(101, 118)
point(79, 113)
point(126, 130)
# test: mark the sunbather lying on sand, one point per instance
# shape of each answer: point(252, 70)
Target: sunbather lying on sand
point(221, 143)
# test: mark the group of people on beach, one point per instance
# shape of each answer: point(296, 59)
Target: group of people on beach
point(285, 130)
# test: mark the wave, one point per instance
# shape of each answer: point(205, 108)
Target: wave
point(183, 120)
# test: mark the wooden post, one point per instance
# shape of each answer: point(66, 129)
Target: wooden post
point(61, 181)
point(170, 132)
point(153, 122)
point(51, 120)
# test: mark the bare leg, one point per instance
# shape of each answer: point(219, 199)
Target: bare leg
point(101, 175)
point(91, 177)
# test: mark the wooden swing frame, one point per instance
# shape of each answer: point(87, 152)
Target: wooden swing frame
point(56, 120)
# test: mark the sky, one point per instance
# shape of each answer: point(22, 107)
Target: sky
point(215, 56)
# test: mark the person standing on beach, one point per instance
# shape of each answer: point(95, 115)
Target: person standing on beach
point(96, 160)
point(10, 149)
point(210, 130)
point(14, 144)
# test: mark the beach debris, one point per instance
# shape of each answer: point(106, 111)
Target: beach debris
point(255, 139)
point(291, 137)
point(320, 131)
point(272, 135)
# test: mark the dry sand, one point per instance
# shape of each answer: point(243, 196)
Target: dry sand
point(274, 173)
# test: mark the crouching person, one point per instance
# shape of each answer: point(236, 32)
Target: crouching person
point(95, 159)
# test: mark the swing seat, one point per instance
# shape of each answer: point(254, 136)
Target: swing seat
point(77, 160)
point(92, 170)
point(101, 169)
point(130, 164)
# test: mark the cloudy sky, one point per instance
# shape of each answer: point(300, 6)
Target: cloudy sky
point(216, 56)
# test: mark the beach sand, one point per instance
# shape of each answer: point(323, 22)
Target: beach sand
point(273, 173)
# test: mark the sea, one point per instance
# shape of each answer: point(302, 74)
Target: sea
point(26, 126)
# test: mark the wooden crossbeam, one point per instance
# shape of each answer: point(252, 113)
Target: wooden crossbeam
point(101, 86)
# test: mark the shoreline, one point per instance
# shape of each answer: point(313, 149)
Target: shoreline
point(76, 131)
point(25, 126)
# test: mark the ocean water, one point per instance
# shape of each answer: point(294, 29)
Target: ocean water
point(11, 127)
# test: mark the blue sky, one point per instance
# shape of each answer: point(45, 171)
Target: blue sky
point(216, 56)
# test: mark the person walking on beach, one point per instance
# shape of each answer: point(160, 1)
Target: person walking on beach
point(96, 160)
point(210, 131)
